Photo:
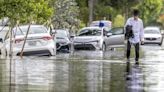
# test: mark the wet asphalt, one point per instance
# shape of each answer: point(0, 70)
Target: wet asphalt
point(84, 71)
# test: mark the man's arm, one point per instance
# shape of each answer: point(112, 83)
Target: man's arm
point(127, 23)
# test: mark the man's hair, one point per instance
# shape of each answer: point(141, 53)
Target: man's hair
point(135, 12)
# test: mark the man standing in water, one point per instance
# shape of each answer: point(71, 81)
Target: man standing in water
point(138, 35)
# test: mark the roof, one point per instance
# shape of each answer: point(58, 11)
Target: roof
point(32, 25)
point(95, 27)
point(106, 23)
point(152, 28)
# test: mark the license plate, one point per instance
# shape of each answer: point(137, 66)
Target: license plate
point(32, 43)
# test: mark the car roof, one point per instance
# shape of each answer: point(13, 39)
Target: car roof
point(61, 29)
point(106, 23)
point(32, 25)
point(26, 26)
point(91, 28)
point(152, 28)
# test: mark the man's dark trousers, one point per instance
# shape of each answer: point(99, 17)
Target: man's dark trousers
point(136, 50)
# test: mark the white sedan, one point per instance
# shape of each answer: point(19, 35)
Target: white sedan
point(152, 35)
point(97, 38)
point(39, 41)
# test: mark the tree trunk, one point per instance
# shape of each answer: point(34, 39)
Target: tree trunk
point(90, 4)
point(11, 43)
point(21, 54)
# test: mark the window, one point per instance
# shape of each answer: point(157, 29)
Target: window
point(61, 33)
point(117, 31)
point(90, 32)
point(33, 30)
point(152, 31)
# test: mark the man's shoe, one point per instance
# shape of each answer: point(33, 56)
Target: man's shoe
point(128, 60)
point(137, 63)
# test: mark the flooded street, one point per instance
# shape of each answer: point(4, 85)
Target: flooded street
point(84, 71)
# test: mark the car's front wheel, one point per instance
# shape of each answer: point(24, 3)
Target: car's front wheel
point(160, 44)
point(53, 53)
point(68, 48)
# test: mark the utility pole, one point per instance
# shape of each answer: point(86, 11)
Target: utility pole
point(90, 4)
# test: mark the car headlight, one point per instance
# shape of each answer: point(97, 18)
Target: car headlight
point(159, 38)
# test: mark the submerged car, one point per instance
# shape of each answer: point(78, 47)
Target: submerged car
point(63, 41)
point(152, 35)
point(99, 38)
point(3, 31)
point(39, 41)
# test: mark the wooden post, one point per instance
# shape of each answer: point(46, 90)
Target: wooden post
point(90, 4)
point(21, 54)
point(11, 43)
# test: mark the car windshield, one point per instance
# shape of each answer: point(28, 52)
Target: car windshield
point(61, 33)
point(33, 30)
point(151, 31)
point(90, 32)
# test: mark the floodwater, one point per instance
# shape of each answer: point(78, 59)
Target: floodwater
point(84, 71)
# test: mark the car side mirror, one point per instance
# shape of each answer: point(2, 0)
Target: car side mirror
point(1, 40)
point(53, 32)
point(109, 34)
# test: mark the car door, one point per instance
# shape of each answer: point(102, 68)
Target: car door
point(117, 37)
point(104, 35)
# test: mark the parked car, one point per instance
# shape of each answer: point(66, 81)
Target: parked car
point(39, 41)
point(152, 35)
point(3, 31)
point(63, 41)
point(99, 38)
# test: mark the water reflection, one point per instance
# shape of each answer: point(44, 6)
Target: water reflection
point(99, 55)
point(60, 81)
point(60, 75)
point(3, 74)
point(134, 78)
point(80, 72)
point(83, 71)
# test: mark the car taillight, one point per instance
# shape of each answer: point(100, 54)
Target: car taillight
point(47, 38)
point(18, 40)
